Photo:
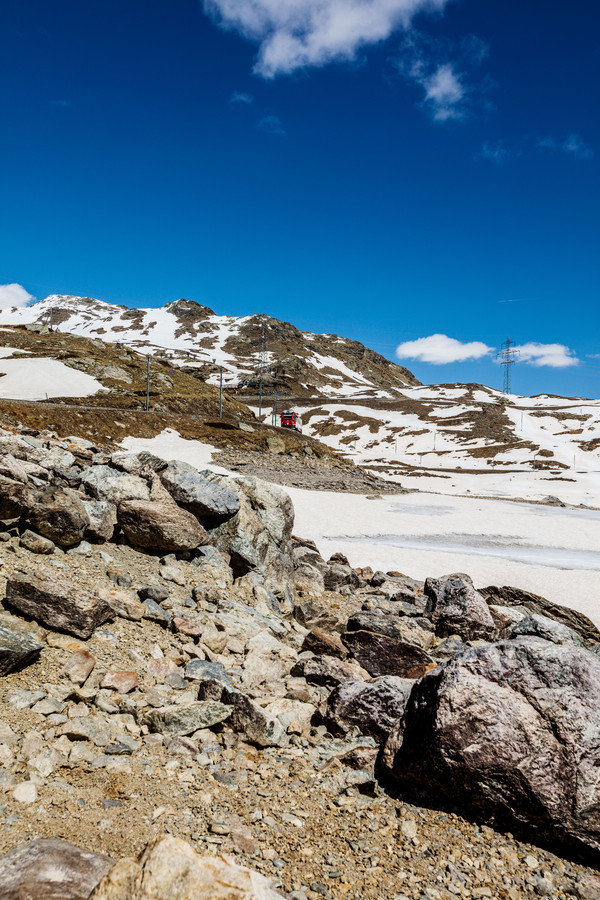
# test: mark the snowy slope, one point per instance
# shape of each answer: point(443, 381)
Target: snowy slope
point(193, 335)
point(41, 379)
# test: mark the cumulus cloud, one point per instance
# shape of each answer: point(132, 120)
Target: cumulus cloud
point(444, 92)
point(14, 295)
point(440, 349)
point(557, 356)
point(574, 145)
point(271, 125)
point(241, 97)
point(295, 34)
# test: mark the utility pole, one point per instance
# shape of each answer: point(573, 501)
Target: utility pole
point(508, 357)
point(260, 399)
point(147, 383)
point(221, 394)
point(262, 363)
point(274, 416)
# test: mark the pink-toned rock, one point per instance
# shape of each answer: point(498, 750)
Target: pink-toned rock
point(123, 604)
point(187, 626)
point(160, 668)
point(79, 666)
point(123, 682)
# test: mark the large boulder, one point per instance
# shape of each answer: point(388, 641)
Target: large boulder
point(105, 483)
point(402, 628)
point(52, 870)
point(511, 733)
point(103, 518)
point(169, 867)
point(210, 501)
point(160, 526)
point(58, 514)
point(17, 649)
point(184, 720)
point(455, 607)
point(383, 655)
point(512, 596)
point(14, 498)
point(374, 707)
point(258, 537)
point(57, 604)
point(247, 717)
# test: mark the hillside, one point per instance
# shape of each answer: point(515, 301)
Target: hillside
point(297, 362)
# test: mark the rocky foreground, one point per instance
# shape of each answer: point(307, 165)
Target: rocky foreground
point(193, 703)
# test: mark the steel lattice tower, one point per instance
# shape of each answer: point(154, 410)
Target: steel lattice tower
point(508, 356)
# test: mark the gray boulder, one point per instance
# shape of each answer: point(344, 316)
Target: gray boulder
point(58, 514)
point(35, 543)
point(258, 537)
point(383, 655)
point(136, 463)
point(326, 670)
point(373, 707)
point(17, 649)
point(247, 717)
point(512, 596)
point(184, 720)
point(543, 627)
point(105, 483)
point(400, 627)
point(210, 501)
point(103, 518)
point(52, 870)
point(57, 604)
point(511, 733)
point(160, 526)
point(456, 608)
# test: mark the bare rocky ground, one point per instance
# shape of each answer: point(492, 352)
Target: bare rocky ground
point(227, 686)
point(311, 473)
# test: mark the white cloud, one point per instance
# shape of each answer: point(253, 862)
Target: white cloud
point(14, 295)
point(557, 356)
point(295, 34)
point(241, 97)
point(441, 349)
point(496, 153)
point(574, 145)
point(444, 93)
point(271, 125)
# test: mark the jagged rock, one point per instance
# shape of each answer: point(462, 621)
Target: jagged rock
point(322, 644)
point(209, 500)
point(449, 648)
point(202, 669)
point(549, 629)
point(456, 608)
point(294, 715)
point(313, 615)
point(122, 682)
point(79, 666)
point(309, 568)
point(35, 543)
point(123, 604)
point(160, 526)
point(187, 719)
point(339, 575)
point(383, 655)
point(13, 468)
point(168, 867)
point(17, 649)
point(58, 514)
point(326, 670)
point(512, 596)
point(86, 728)
point(105, 483)
point(247, 717)
point(57, 604)
point(509, 731)
point(156, 613)
point(52, 870)
point(14, 498)
point(374, 707)
point(103, 518)
point(401, 628)
point(138, 462)
point(258, 537)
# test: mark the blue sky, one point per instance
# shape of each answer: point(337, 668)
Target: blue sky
point(388, 170)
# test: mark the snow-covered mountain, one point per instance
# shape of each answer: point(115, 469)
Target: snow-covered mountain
point(298, 362)
point(462, 437)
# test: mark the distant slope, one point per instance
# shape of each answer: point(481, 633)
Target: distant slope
point(299, 363)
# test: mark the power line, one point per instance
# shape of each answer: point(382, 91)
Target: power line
point(508, 356)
